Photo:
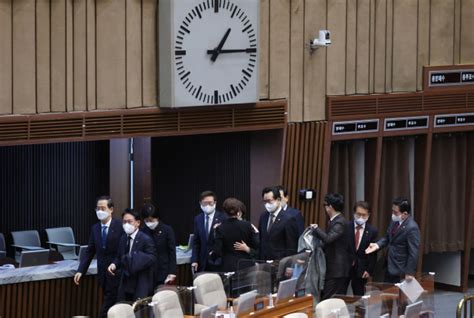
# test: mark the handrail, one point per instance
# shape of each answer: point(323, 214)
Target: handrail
point(462, 304)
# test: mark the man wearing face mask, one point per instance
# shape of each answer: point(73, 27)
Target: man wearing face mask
point(278, 230)
point(163, 236)
point(335, 248)
point(402, 241)
point(290, 210)
point(204, 230)
point(134, 261)
point(361, 234)
point(103, 242)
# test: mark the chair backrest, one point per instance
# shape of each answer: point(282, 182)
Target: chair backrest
point(62, 235)
point(210, 290)
point(296, 315)
point(120, 311)
point(166, 304)
point(28, 238)
point(328, 307)
point(2, 242)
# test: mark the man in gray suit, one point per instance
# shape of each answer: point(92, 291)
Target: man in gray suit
point(402, 240)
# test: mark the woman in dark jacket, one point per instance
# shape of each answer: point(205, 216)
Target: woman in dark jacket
point(230, 232)
point(163, 236)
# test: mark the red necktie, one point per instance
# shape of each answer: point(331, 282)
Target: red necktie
point(395, 228)
point(357, 236)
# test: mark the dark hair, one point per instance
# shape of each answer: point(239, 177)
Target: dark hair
point(132, 212)
point(110, 203)
point(149, 210)
point(282, 189)
point(274, 190)
point(243, 208)
point(403, 204)
point(335, 200)
point(207, 193)
point(362, 204)
point(231, 206)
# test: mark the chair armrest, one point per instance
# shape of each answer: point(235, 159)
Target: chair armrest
point(27, 247)
point(63, 244)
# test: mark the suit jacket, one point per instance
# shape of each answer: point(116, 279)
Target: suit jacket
point(135, 269)
point(335, 248)
point(202, 245)
point(403, 247)
point(104, 256)
point(298, 217)
point(230, 231)
point(362, 262)
point(165, 244)
point(281, 240)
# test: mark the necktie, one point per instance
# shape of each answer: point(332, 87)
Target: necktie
point(270, 223)
point(104, 236)
point(129, 242)
point(357, 236)
point(206, 225)
point(395, 228)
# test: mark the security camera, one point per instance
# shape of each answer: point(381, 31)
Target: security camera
point(324, 39)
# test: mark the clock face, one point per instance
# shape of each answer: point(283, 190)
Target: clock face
point(215, 46)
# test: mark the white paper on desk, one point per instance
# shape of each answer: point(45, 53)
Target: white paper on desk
point(412, 289)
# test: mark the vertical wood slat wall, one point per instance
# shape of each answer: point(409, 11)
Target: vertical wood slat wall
point(303, 165)
point(65, 55)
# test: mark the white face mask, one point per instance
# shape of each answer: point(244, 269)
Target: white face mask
point(396, 218)
point(152, 225)
point(359, 221)
point(270, 207)
point(102, 215)
point(208, 209)
point(128, 228)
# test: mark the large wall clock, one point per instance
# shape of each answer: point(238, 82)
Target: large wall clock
point(208, 52)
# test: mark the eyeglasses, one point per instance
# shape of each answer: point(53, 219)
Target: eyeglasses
point(101, 208)
point(207, 203)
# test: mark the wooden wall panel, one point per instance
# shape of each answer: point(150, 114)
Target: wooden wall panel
point(88, 55)
point(24, 67)
point(404, 44)
point(466, 38)
point(336, 69)
point(297, 52)
point(43, 65)
point(303, 165)
point(110, 50)
point(279, 63)
point(442, 32)
point(315, 64)
point(149, 52)
point(5, 57)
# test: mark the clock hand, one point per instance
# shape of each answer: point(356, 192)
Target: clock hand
point(248, 50)
point(219, 47)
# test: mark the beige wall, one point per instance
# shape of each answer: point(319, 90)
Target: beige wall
point(65, 55)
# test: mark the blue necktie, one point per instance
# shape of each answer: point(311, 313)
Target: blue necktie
point(104, 236)
point(206, 225)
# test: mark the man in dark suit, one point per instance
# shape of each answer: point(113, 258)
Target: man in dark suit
point(361, 234)
point(163, 236)
point(402, 241)
point(278, 230)
point(103, 242)
point(204, 230)
point(335, 248)
point(290, 210)
point(134, 261)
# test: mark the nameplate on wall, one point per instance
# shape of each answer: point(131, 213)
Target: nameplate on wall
point(406, 123)
point(355, 127)
point(448, 77)
point(450, 120)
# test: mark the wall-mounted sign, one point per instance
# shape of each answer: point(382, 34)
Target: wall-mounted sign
point(405, 123)
point(454, 120)
point(458, 76)
point(355, 127)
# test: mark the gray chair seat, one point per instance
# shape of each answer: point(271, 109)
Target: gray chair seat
point(63, 240)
